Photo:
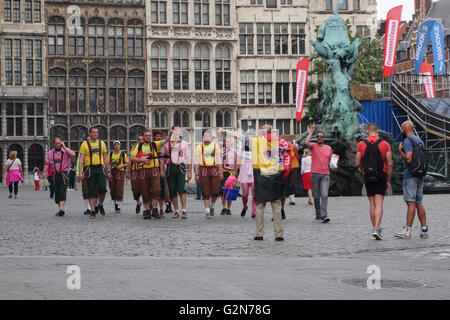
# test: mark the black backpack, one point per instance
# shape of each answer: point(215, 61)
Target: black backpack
point(372, 162)
point(419, 162)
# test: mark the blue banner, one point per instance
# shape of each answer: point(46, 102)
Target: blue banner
point(437, 40)
point(434, 30)
point(423, 36)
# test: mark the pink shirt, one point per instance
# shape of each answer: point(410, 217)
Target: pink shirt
point(229, 158)
point(180, 152)
point(53, 161)
point(320, 158)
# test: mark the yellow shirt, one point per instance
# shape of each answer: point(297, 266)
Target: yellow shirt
point(114, 159)
point(266, 156)
point(207, 159)
point(295, 162)
point(97, 159)
point(147, 150)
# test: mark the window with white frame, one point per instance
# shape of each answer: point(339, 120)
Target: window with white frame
point(223, 68)
point(57, 90)
point(159, 11)
point(263, 38)
point(33, 54)
point(77, 90)
point(159, 66)
point(136, 90)
point(281, 37)
point(160, 119)
point(181, 67)
point(264, 86)
point(115, 38)
point(116, 81)
point(180, 11)
point(246, 38)
point(222, 12)
point(247, 83)
point(135, 38)
point(56, 34)
point(201, 12)
point(298, 38)
point(97, 89)
point(96, 36)
point(202, 67)
point(282, 86)
point(76, 41)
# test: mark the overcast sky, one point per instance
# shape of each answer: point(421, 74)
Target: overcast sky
point(385, 5)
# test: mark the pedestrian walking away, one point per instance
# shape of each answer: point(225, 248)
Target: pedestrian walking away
point(178, 168)
point(72, 178)
point(208, 171)
point(292, 175)
point(246, 175)
point(14, 174)
point(289, 175)
point(132, 174)
point(320, 173)
point(412, 150)
point(36, 178)
point(59, 160)
point(375, 156)
point(118, 160)
point(230, 165)
point(149, 170)
point(95, 168)
point(268, 175)
point(306, 174)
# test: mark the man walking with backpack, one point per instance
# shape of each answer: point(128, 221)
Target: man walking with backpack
point(413, 153)
point(118, 161)
point(376, 158)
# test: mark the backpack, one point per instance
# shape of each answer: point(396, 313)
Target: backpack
point(372, 161)
point(121, 156)
point(419, 162)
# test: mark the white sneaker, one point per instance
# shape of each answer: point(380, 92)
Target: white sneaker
point(377, 234)
point(208, 215)
point(424, 233)
point(404, 234)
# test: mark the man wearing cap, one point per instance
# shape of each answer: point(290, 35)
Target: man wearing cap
point(118, 161)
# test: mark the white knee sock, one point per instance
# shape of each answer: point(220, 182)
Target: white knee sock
point(88, 204)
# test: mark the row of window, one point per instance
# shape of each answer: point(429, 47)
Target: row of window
point(329, 5)
point(180, 12)
point(96, 92)
point(265, 86)
point(15, 58)
point(12, 10)
point(181, 118)
point(272, 38)
point(181, 66)
point(17, 121)
point(120, 38)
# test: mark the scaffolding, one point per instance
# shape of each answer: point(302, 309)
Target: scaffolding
point(433, 128)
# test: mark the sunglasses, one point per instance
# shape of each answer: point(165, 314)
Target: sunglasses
point(320, 136)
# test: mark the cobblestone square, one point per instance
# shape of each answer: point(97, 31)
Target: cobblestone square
point(122, 256)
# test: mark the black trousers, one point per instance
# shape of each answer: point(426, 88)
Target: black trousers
point(16, 187)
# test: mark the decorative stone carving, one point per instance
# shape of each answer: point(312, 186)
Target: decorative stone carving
point(182, 97)
point(183, 32)
point(222, 33)
point(225, 98)
point(160, 97)
point(204, 98)
point(203, 32)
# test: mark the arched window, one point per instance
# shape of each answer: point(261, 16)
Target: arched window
point(102, 133)
point(180, 67)
point(60, 132)
point(159, 66)
point(118, 133)
point(201, 66)
point(77, 90)
point(223, 119)
point(57, 90)
point(116, 80)
point(115, 37)
point(203, 118)
point(35, 157)
point(160, 119)
point(181, 119)
point(223, 68)
point(135, 131)
point(76, 40)
point(97, 90)
point(77, 136)
point(56, 33)
point(96, 40)
point(136, 90)
point(134, 38)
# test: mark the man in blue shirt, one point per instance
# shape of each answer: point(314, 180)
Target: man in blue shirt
point(412, 186)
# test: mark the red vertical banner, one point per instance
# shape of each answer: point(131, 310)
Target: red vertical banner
point(301, 83)
point(426, 70)
point(393, 21)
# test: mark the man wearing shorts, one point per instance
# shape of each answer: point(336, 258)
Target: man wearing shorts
point(412, 186)
point(178, 165)
point(118, 161)
point(150, 169)
point(379, 181)
point(59, 160)
point(94, 167)
point(208, 171)
point(132, 175)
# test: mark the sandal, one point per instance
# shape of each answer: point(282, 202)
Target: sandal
point(176, 215)
point(183, 215)
point(92, 216)
point(310, 202)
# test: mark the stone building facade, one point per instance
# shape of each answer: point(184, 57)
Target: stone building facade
point(96, 69)
point(23, 85)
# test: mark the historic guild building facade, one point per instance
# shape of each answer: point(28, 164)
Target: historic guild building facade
point(96, 72)
point(23, 85)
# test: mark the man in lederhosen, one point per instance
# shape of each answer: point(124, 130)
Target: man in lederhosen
point(208, 171)
point(150, 169)
point(59, 160)
point(94, 167)
point(118, 161)
point(132, 175)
